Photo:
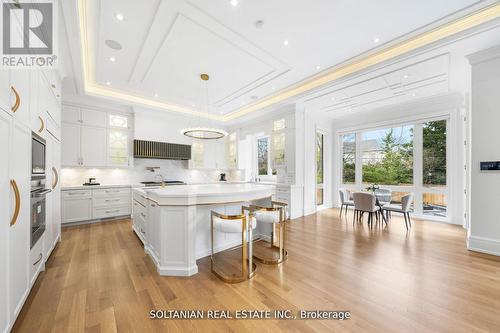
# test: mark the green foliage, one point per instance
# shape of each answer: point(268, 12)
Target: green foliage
point(396, 164)
point(434, 145)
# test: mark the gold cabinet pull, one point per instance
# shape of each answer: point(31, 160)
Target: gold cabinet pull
point(18, 202)
point(42, 125)
point(18, 100)
point(56, 175)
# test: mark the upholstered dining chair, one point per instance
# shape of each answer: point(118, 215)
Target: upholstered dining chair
point(345, 201)
point(403, 208)
point(365, 203)
point(384, 196)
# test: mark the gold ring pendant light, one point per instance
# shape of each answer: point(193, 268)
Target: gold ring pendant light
point(204, 132)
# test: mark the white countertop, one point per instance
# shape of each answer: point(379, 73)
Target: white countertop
point(90, 187)
point(186, 195)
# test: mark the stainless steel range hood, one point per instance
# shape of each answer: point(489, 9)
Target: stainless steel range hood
point(161, 150)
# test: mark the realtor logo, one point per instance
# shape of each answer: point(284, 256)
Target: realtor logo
point(28, 34)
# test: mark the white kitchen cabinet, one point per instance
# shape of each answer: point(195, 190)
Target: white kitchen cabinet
point(76, 206)
point(93, 146)
point(153, 227)
point(140, 217)
point(95, 118)
point(70, 145)
point(209, 155)
point(19, 240)
point(37, 116)
point(5, 216)
point(20, 95)
point(71, 114)
point(37, 259)
point(53, 199)
point(5, 90)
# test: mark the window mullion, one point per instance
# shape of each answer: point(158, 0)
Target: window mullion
point(358, 167)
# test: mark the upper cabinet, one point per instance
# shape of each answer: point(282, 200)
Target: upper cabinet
point(96, 138)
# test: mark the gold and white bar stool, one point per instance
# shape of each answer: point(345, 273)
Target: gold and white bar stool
point(274, 216)
point(243, 224)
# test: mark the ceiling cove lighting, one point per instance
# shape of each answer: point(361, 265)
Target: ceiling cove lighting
point(204, 132)
point(448, 29)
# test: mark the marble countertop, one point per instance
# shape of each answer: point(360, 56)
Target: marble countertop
point(90, 187)
point(186, 195)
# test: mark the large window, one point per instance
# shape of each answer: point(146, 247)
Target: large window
point(410, 158)
point(349, 158)
point(263, 156)
point(320, 168)
point(388, 156)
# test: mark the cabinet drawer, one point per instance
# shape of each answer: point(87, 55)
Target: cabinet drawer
point(143, 200)
point(111, 192)
point(77, 194)
point(111, 201)
point(107, 212)
point(36, 259)
point(140, 209)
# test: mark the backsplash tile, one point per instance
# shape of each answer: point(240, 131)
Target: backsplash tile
point(170, 169)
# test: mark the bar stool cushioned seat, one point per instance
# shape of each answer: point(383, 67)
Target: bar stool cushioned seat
point(232, 226)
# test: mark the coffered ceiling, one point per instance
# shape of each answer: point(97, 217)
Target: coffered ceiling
point(253, 50)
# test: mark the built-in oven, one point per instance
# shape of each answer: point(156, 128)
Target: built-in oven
point(38, 214)
point(38, 150)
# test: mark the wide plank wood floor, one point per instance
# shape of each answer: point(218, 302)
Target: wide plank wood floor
point(99, 280)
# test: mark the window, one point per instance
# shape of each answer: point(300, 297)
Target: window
point(391, 158)
point(349, 158)
point(118, 121)
point(434, 153)
point(279, 148)
point(320, 168)
point(118, 147)
point(263, 156)
point(387, 156)
point(197, 155)
point(279, 124)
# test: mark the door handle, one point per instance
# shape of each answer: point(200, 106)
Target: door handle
point(18, 100)
point(38, 260)
point(56, 175)
point(42, 125)
point(18, 202)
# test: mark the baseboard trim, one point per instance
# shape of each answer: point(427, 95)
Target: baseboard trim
point(484, 245)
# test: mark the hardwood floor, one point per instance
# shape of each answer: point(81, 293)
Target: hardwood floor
point(100, 280)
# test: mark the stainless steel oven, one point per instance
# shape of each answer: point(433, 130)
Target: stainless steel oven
point(38, 150)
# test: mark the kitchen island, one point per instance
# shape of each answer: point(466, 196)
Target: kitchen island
point(174, 222)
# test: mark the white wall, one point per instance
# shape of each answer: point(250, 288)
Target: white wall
point(484, 231)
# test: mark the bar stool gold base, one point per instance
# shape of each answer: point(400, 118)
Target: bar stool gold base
point(232, 278)
point(269, 255)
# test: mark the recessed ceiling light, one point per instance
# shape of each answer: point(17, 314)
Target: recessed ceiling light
point(318, 67)
point(259, 24)
point(413, 94)
point(193, 105)
point(234, 3)
point(376, 40)
point(273, 88)
point(113, 44)
point(112, 59)
point(108, 83)
point(406, 76)
point(285, 42)
point(119, 16)
point(156, 95)
point(254, 97)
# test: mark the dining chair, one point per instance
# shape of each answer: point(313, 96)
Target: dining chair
point(365, 203)
point(345, 200)
point(384, 195)
point(403, 208)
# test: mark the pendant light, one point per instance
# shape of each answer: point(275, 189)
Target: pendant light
point(204, 132)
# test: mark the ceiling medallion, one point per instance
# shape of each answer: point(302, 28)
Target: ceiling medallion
point(204, 132)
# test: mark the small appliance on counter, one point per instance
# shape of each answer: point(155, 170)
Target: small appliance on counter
point(91, 182)
point(222, 177)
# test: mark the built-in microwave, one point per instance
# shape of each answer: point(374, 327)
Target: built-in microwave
point(38, 147)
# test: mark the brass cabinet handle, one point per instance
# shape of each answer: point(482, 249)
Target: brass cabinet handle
point(18, 201)
point(54, 184)
point(38, 260)
point(42, 125)
point(18, 100)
